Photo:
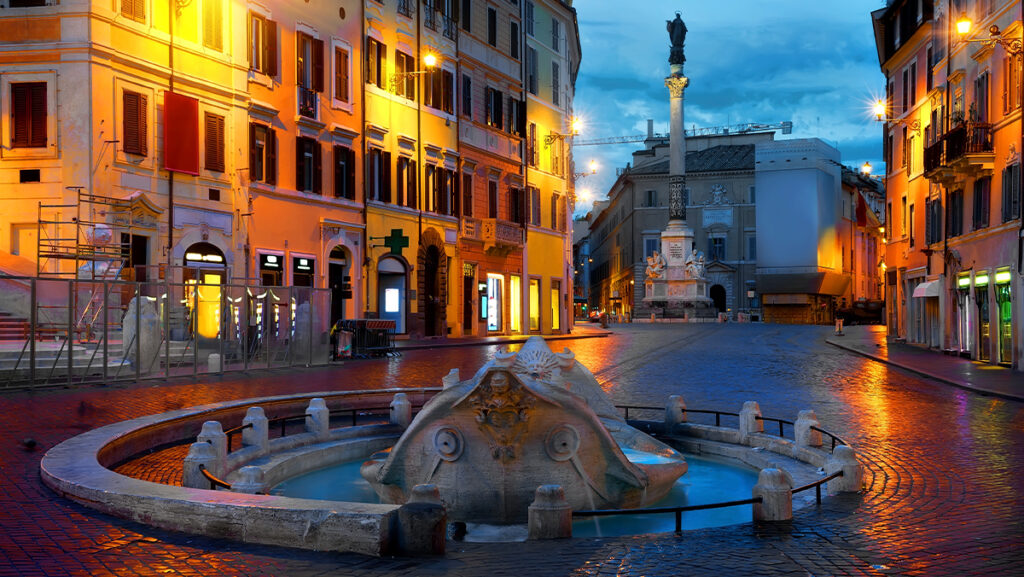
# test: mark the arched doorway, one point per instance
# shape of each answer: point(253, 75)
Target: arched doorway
point(391, 301)
point(204, 264)
point(431, 292)
point(717, 293)
point(203, 274)
point(339, 280)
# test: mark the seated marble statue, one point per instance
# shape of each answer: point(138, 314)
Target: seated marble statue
point(695, 265)
point(655, 266)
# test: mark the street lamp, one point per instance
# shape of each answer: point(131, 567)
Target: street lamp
point(430, 62)
point(995, 36)
point(592, 169)
point(879, 109)
point(575, 127)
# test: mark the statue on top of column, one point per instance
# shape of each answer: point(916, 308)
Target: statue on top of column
point(677, 33)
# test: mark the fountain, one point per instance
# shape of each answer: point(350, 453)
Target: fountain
point(524, 420)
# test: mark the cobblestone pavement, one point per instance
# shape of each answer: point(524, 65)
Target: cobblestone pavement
point(944, 468)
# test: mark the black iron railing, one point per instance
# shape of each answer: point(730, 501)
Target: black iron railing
point(307, 102)
point(677, 511)
point(281, 423)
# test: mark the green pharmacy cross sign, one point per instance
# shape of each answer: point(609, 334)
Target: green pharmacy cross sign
point(395, 241)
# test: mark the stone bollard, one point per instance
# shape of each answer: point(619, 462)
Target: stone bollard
point(675, 412)
point(775, 488)
point(258, 435)
point(401, 410)
point(451, 379)
point(844, 459)
point(805, 435)
point(250, 481)
point(200, 453)
point(422, 523)
point(213, 434)
point(318, 418)
point(749, 421)
point(550, 516)
point(213, 363)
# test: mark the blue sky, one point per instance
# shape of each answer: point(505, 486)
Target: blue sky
point(812, 62)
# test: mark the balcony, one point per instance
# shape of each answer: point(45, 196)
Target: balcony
point(500, 236)
point(430, 18)
point(450, 28)
point(405, 8)
point(965, 150)
point(470, 228)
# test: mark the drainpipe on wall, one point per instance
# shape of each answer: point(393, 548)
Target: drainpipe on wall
point(362, 110)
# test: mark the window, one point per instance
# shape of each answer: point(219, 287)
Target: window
point(529, 18)
point(911, 225)
point(467, 96)
point(556, 33)
point(28, 115)
point(753, 194)
point(556, 80)
point(751, 247)
point(534, 304)
point(513, 43)
point(955, 213)
point(492, 199)
point(26, 3)
point(534, 205)
point(888, 220)
point(903, 152)
point(906, 91)
point(344, 172)
point(516, 117)
point(556, 298)
point(554, 211)
point(309, 65)
point(133, 123)
point(467, 13)
point(531, 145)
point(981, 98)
point(929, 60)
point(933, 221)
point(651, 198)
point(380, 175)
point(307, 165)
point(982, 193)
point(262, 45)
point(531, 69)
point(467, 194)
point(375, 62)
point(438, 90)
point(429, 188)
point(913, 83)
point(903, 215)
point(405, 79)
point(134, 9)
point(214, 141)
point(1011, 192)
point(1011, 83)
point(341, 74)
point(262, 154)
point(492, 27)
point(556, 156)
point(495, 112)
point(716, 248)
point(213, 24)
point(517, 206)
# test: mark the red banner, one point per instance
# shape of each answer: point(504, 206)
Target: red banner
point(862, 210)
point(181, 133)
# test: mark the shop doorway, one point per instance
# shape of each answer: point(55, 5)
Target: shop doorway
point(339, 281)
point(468, 296)
point(432, 292)
point(391, 293)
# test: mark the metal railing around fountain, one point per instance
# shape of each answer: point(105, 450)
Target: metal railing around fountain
point(281, 423)
point(678, 511)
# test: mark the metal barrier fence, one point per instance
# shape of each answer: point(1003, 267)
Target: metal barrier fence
point(82, 331)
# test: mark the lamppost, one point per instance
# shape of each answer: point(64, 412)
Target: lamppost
point(429, 63)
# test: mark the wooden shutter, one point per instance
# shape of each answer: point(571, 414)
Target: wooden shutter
point(318, 168)
point(270, 48)
point(339, 171)
point(350, 174)
point(253, 157)
point(300, 164)
point(318, 65)
point(133, 117)
point(385, 185)
point(214, 138)
point(21, 115)
point(270, 162)
point(412, 189)
point(500, 104)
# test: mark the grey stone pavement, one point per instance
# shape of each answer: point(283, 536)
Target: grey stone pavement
point(944, 465)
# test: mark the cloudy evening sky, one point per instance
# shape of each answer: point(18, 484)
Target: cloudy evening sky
point(809, 61)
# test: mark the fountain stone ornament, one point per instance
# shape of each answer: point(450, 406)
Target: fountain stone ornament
point(524, 420)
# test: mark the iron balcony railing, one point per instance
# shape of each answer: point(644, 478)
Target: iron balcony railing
point(307, 102)
point(963, 139)
point(405, 8)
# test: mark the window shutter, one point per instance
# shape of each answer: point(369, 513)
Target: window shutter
point(412, 189)
point(385, 185)
point(214, 138)
point(318, 65)
point(270, 166)
point(300, 164)
point(253, 160)
point(21, 113)
point(456, 194)
point(318, 168)
point(134, 123)
point(447, 90)
point(270, 48)
point(339, 171)
point(499, 103)
point(37, 103)
point(350, 174)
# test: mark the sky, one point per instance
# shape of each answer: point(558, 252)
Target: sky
point(812, 62)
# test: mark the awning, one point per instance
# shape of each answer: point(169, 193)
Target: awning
point(927, 289)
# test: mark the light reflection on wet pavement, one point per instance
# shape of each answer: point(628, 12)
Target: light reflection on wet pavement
point(944, 467)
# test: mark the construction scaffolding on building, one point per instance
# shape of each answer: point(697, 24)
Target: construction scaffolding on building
point(84, 234)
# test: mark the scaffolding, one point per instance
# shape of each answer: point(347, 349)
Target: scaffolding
point(84, 234)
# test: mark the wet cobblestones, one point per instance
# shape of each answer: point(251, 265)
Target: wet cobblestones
point(943, 479)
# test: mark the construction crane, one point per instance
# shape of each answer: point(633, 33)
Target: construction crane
point(747, 128)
